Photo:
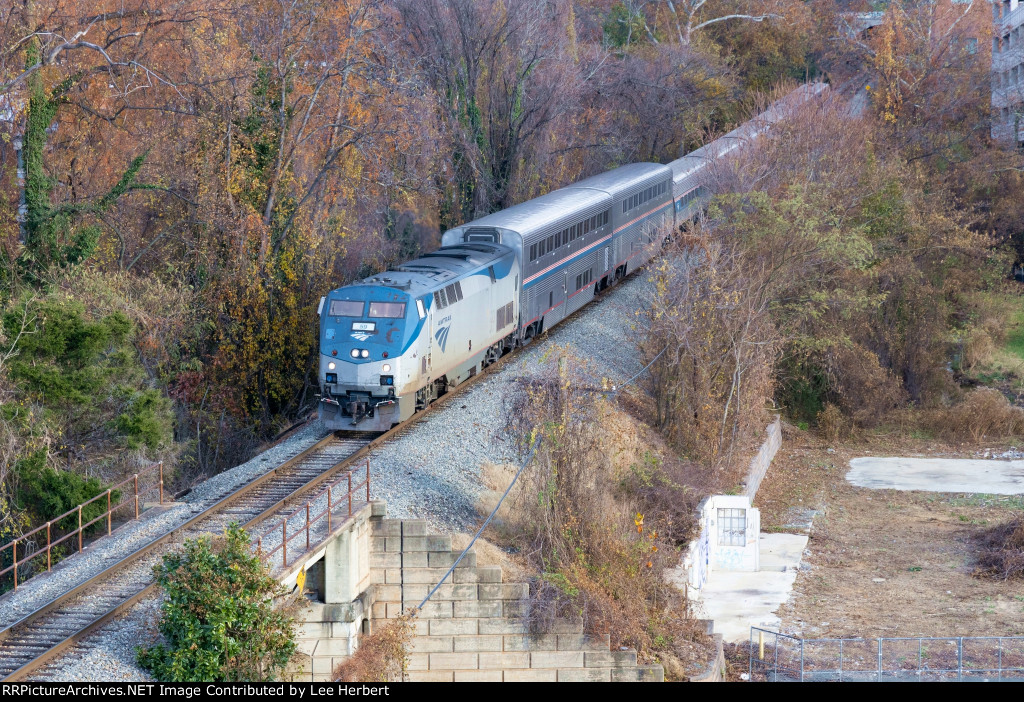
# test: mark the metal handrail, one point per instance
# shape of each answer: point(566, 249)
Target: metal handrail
point(157, 468)
point(311, 520)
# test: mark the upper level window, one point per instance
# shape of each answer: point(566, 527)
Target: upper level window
point(390, 310)
point(346, 308)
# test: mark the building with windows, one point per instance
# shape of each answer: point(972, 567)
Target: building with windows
point(1008, 70)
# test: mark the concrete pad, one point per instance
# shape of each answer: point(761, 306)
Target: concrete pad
point(781, 552)
point(736, 600)
point(938, 475)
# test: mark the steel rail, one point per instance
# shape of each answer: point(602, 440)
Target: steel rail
point(61, 646)
point(166, 539)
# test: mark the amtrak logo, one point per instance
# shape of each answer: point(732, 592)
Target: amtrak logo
point(361, 336)
point(442, 337)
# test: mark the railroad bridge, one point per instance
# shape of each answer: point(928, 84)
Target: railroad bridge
point(369, 569)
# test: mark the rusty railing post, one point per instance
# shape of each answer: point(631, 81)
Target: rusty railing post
point(349, 493)
point(307, 526)
point(14, 551)
point(108, 511)
point(136, 479)
point(259, 547)
point(79, 528)
point(48, 547)
point(284, 543)
point(367, 481)
point(328, 509)
point(161, 482)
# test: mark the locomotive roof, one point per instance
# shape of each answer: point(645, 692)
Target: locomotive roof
point(435, 269)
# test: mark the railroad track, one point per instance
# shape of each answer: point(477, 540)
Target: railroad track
point(30, 643)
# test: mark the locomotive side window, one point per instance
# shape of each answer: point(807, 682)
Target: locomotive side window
point(420, 309)
point(346, 308)
point(389, 310)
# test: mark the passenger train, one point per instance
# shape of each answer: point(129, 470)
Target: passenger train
point(394, 342)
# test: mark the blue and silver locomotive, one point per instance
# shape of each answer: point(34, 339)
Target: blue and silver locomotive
point(394, 342)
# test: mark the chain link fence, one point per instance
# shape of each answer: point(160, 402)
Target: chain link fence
point(776, 657)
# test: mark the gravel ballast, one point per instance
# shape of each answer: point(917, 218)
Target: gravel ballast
point(78, 568)
point(431, 470)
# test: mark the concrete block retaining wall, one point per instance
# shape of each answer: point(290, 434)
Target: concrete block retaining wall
point(763, 459)
point(716, 670)
point(472, 629)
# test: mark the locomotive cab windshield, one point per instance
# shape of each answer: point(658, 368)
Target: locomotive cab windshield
point(365, 329)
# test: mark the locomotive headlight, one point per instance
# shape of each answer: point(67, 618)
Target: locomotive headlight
point(364, 353)
point(331, 366)
point(386, 368)
point(355, 353)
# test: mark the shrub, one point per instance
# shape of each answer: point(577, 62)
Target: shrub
point(87, 376)
point(218, 620)
point(381, 656)
point(984, 414)
point(1002, 551)
point(599, 528)
point(47, 493)
point(832, 423)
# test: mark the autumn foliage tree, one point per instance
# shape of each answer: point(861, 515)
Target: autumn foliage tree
point(932, 62)
point(867, 268)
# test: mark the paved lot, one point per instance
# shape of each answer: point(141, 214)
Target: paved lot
point(938, 475)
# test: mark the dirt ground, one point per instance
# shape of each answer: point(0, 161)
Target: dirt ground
point(885, 562)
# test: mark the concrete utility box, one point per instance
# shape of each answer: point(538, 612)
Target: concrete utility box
point(733, 526)
point(730, 529)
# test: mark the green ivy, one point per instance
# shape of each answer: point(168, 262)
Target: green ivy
point(55, 235)
point(218, 620)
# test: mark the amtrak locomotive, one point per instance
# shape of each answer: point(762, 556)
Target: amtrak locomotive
point(394, 342)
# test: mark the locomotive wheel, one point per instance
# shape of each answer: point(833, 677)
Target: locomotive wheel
point(492, 355)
